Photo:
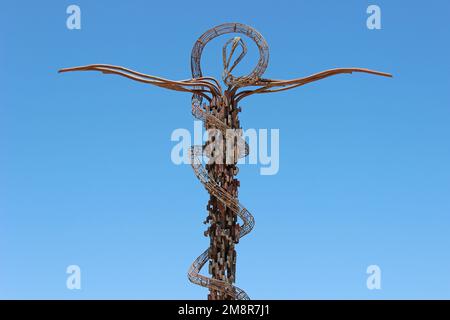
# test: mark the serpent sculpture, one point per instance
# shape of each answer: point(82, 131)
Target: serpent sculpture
point(220, 116)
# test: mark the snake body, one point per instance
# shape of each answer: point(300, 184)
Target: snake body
point(196, 154)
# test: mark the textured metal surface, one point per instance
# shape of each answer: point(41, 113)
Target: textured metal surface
point(220, 113)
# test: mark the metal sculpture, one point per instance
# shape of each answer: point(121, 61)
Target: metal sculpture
point(220, 113)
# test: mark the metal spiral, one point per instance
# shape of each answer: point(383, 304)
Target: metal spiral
point(226, 198)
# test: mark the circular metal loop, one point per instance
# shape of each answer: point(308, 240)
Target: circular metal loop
point(231, 28)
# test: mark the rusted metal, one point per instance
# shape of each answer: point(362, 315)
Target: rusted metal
point(220, 112)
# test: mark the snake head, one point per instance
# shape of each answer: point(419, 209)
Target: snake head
point(235, 42)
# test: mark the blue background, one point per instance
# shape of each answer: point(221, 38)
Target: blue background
point(86, 176)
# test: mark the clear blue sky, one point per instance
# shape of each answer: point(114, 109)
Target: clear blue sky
point(86, 176)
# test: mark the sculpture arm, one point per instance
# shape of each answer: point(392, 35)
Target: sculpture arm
point(200, 86)
point(273, 85)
